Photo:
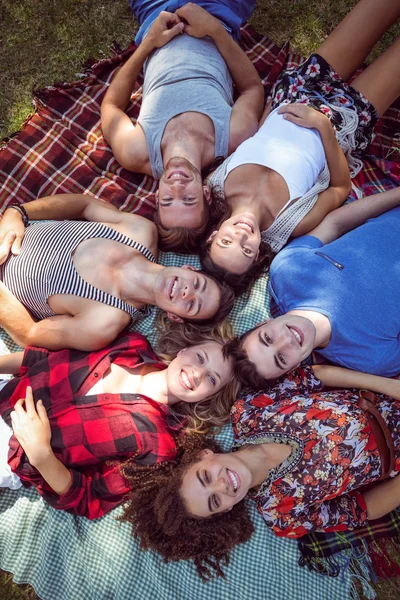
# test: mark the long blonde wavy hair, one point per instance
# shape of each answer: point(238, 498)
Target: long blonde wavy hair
point(213, 412)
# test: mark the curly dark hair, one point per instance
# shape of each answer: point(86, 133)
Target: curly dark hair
point(240, 283)
point(160, 520)
point(187, 241)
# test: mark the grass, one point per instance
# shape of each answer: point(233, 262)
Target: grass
point(44, 41)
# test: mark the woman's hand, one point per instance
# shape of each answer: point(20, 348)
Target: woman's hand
point(198, 21)
point(165, 27)
point(304, 115)
point(12, 231)
point(31, 427)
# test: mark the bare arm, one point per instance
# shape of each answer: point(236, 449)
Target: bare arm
point(127, 141)
point(248, 107)
point(346, 378)
point(70, 206)
point(80, 332)
point(383, 498)
point(350, 216)
point(11, 363)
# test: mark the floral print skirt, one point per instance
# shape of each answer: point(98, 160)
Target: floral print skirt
point(314, 82)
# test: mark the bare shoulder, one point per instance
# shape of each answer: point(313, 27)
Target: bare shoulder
point(138, 228)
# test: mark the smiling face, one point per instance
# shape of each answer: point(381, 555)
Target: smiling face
point(280, 344)
point(215, 483)
point(187, 294)
point(198, 372)
point(181, 195)
point(235, 245)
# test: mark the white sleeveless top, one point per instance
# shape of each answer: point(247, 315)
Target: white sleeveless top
point(298, 155)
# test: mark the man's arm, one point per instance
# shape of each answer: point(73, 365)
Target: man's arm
point(340, 181)
point(58, 208)
point(128, 142)
point(248, 107)
point(351, 215)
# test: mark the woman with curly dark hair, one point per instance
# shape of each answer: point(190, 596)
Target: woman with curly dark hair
point(159, 516)
point(97, 410)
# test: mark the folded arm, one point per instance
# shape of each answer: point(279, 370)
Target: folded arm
point(248, 107)
point(80, 332)
point(340, 182)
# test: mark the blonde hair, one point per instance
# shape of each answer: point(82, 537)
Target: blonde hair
point(213, 412)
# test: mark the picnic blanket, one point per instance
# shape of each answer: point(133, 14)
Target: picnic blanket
point(61, 150)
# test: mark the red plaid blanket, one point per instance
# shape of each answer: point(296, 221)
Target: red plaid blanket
point(61, 150)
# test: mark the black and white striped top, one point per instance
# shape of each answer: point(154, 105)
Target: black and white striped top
point(45, 266)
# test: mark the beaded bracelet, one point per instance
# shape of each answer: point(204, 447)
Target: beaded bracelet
point(20, 208)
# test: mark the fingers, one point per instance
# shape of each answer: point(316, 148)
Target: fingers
point(6, 246)
point(288, 109)
point(175, 30)
point(29, 403)
point(16, 247)
point(42, 412)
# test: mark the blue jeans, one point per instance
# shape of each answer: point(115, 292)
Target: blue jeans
point(232, 13)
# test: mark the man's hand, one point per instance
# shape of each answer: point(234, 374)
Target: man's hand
point(304, 115)
point(12, 231)
point(199, 22)
point(165, 27)
point(32, 429)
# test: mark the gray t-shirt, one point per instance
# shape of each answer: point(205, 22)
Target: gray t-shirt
point(185, 75)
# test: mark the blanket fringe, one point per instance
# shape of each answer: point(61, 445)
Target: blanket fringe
point(365, 563)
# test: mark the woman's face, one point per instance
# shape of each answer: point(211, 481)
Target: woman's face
point(235, 245)
point(198, 372)
point(215, 483)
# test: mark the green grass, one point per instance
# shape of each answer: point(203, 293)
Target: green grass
point(44, 41)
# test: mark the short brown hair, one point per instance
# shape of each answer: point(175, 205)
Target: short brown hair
point(160, 519)
point(187, 241)
point(247, 371)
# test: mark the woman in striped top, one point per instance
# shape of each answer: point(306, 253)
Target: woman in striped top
point(100, 270)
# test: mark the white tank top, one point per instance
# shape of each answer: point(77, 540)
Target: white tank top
point(296, 153)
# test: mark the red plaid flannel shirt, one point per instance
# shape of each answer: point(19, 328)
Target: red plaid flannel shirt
point(90, 431)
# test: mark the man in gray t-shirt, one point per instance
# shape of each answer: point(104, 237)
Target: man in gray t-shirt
point(188, 116)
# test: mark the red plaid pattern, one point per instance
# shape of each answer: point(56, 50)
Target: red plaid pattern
point(90, 431)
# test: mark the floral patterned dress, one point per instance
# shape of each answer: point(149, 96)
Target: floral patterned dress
point(333, 453)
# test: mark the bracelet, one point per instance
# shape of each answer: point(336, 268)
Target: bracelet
point(20, 208)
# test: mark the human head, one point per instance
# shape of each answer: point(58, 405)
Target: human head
point(187, 294)
point(279, 345)
point(215, 483)
point(160, 518)
point(181, 195)
point(234, 252)
point(180, 238)
point(188, 348)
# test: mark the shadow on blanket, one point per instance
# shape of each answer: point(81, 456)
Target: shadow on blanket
point(61, 150)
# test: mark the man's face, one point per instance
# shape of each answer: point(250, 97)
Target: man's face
point(186, 294)
point(280, 344)
point(181, 195)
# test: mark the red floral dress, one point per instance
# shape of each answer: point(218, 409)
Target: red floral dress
point(333, 453)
